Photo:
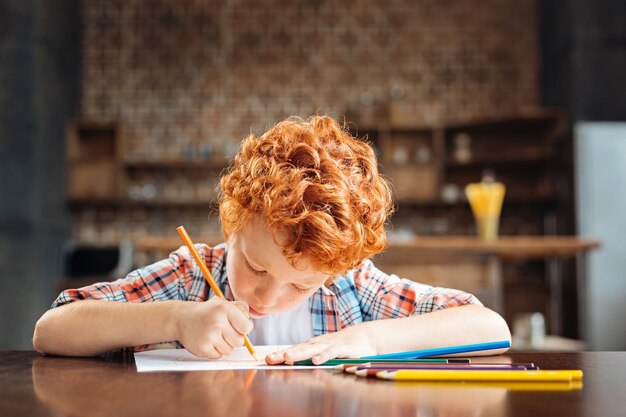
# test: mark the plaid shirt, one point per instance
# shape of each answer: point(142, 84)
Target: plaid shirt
point(362, 294)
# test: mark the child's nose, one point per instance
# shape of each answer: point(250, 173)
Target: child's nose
point(267, 295)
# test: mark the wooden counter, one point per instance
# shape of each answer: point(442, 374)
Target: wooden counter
point(479, 264)
point(520, 247)
point(506, 246)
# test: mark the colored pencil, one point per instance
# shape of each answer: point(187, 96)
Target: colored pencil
point(450, 350)
point(509, 386)
point(358, 361)
point(442, 367)
point(375, 369)
point(406, 364)
point(343, 366)
point(209, 277)
point(443, 375)
point(379, 368)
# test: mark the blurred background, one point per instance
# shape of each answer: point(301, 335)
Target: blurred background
point(118, 117)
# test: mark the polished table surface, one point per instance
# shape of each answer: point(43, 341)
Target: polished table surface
point(32, 385)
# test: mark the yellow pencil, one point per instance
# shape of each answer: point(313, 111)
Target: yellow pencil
point(449, 375)
point(508, 385)
point(207, 274)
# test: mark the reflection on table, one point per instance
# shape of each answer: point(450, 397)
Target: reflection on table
point(33, 385)
point(70, 389)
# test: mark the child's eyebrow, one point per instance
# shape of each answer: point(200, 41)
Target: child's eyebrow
point(308, 282)
point(254, 261)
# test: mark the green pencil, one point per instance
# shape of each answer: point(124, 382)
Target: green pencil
point(357, 361)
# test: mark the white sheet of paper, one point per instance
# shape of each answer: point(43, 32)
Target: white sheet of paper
point(161, 360)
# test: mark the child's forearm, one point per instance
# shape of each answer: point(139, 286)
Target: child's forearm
point(90, 327)
point(449, 327)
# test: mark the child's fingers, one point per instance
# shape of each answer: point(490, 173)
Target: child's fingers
point(327, 354)
point(208, 352)
point(233, 337)
point(239, 320)
point(222, 346)
point(275, 358)
point(303, 351)
point(243, 306)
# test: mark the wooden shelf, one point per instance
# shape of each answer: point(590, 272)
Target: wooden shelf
point(156, 204)
point(213, 163)
point(505, 246)
point(535, 197)
point(531, 116)
point(522, 150)
point(534, 118)
point(150, 204)
point(526, 157)
point(165, 244)
point(511, 247)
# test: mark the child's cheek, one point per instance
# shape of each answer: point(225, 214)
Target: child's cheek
point(234, 273)
point(242, 283)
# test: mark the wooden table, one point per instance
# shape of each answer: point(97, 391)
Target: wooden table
point(32, 385)
point(554, 249)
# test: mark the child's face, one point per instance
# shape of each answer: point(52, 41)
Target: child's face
point(261, 276)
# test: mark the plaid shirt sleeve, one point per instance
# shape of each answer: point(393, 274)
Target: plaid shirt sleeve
point(383, 296)
point(176, 278)
point(163, 280)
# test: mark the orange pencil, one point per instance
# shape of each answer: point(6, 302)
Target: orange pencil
point(207, 274)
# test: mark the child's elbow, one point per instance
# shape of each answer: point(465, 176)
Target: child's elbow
point(500, 327)
point(39, 336)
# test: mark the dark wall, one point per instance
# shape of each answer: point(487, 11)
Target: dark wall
point(583, 55)
point(583, 70)
point(38, 91)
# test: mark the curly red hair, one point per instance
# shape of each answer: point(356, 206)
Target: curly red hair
point(315, 184)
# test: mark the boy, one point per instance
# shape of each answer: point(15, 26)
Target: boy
point(302, 209)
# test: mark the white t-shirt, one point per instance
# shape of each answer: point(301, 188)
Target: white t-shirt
point(287, 328)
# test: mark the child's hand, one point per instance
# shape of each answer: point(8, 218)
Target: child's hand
point(351, 342)
point(213, 328)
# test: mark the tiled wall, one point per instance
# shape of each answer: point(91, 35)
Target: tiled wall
point(190, 78)
point(197, 75)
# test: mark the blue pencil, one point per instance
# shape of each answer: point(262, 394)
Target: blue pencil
point(450, 350)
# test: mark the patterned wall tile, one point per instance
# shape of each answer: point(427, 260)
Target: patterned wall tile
point(192, 71)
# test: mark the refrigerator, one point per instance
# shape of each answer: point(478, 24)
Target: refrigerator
point(600, 175)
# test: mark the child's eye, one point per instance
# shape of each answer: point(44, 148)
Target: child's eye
point(300, 290)
point(254, 271)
